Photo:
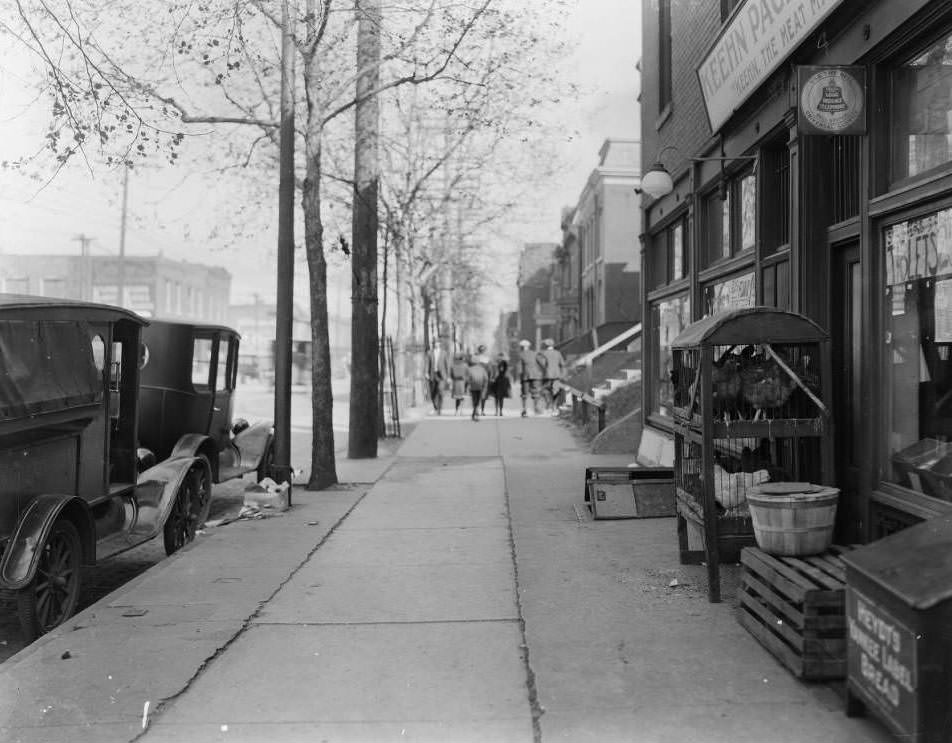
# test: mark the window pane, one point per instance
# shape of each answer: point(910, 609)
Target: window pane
point(922, 111)
point(201, 361)
point(713, 234)
point(221, 378)
point(748, 211)
point(669, 318)
point(726, 225)
point(918, 362)
point(677, 260)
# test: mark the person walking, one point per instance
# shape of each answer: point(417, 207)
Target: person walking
point(500, 386)
point(553, 372)
point(437, 374)
point(459, 373)
point(530, 378)
point(477, 379)
point(483, 358)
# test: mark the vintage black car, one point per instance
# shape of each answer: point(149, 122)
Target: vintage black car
point(186, 400)
point(75, 483)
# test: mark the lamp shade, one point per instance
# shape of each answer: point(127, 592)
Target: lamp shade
point(656, 182)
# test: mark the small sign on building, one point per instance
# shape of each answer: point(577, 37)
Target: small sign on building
point(831, 99)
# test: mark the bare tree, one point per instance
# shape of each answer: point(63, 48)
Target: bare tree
point(126, 82)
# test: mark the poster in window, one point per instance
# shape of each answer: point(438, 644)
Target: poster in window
point(943, 311)
point(733, 294)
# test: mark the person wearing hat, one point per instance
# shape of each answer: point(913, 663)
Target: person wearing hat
point(459, 380)
point(500, 385)
point(530, 377)
point(553, 372)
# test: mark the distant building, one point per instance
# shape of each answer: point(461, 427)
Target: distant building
point(594, 273)
point(256, 322)
point(536, 316)
point(153, 286)
point(607, 223)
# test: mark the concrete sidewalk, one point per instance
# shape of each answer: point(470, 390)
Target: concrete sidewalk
point(465, 595)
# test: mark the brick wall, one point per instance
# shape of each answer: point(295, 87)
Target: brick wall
point(694, 26)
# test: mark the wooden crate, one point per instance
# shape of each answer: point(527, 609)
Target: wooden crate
point(795, 607)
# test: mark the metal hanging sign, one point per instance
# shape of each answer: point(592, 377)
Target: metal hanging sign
point(831, 99)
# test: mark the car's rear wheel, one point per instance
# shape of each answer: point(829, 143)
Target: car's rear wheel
point(190, 509)
point(51, 597)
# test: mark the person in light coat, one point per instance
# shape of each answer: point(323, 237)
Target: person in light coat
point(437, 374)
point(553, 372)
point(529, 373)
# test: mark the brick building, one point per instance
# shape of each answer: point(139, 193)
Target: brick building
point(153, 286)
point(804, 157)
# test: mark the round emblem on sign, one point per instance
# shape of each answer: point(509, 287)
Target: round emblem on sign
point(831, 100)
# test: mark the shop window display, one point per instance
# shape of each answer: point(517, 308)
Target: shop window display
point(918, 357)
point(668, 318)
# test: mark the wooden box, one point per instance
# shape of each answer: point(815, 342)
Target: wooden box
point(629, 492)
point(795, 607)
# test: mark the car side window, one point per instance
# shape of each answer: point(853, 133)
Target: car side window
point(201, 361)
point(222, 379)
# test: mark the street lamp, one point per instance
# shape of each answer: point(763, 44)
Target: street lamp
point(657, 181)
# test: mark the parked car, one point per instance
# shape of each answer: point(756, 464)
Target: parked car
point(186, 399)
point(76, 485)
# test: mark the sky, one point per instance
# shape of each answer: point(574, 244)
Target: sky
point(171, 212)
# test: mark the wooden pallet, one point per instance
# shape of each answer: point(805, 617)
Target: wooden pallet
point(795, 607)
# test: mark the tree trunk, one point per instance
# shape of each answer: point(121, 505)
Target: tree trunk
point(323, 461)
point(365, 349)
point(284, 305)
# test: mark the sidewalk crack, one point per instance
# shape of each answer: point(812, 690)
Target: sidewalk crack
point(165, 702)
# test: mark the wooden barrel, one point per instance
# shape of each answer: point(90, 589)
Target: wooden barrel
point(793, 519)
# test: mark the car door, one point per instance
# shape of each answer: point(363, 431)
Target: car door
point(222, 388)
point(204, 350)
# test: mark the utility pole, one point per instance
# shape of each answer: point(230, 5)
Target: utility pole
point(365, 345)
point(85, 292)
point(284, 311)
point(121, 270)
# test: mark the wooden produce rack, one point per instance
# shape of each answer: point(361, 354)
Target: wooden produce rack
point(752, 404)
point(795, 607)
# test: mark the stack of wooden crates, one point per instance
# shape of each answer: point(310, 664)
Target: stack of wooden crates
point(795, 607)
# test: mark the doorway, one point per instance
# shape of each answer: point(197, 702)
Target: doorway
point(846, 327)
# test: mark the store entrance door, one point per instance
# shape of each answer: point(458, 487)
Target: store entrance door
point(846, 331)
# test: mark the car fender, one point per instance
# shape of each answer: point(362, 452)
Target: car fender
point(252, 443)
point(155, 492)
point(190, 445)
point(22, 553)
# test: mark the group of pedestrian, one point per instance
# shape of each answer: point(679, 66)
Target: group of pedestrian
point(540, 374)
point(474, 375)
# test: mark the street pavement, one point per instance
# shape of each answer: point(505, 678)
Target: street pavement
point(453, 589)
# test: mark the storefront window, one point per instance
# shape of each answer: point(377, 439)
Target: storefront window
point(729, 217)
point(667, 260)
point(922, 111)
point(918, 362)
point(669, 318)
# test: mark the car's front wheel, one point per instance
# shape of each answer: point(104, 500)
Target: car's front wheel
point(190, 509)
point(51, 597)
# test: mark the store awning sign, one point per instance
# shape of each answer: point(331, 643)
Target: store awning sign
point(831, 100)
point(758, 38)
